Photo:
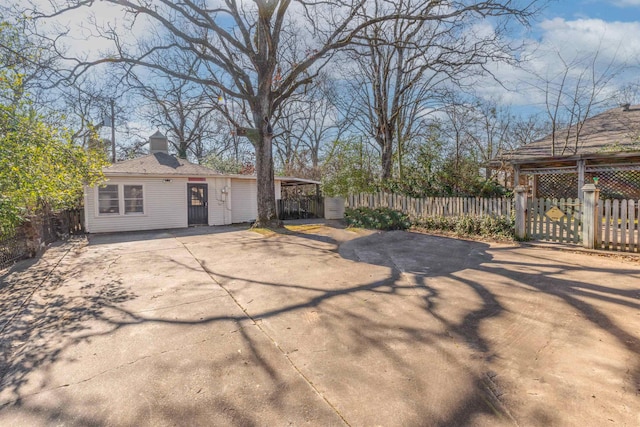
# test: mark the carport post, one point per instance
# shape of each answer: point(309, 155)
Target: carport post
point(521, 211)
point(589, 215)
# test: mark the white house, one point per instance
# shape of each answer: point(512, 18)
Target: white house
point(160, 191)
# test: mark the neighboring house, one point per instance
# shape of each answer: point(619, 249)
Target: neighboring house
point(605, 149)
point(160, 191)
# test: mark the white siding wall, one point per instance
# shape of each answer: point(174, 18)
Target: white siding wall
point(244, 202)
point(165, 206)
point(219, 206)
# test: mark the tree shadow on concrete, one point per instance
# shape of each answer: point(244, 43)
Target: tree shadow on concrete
point(588, 299)
point(52, 320)
point(383, 250)
point(39, 318)
point(421, 271)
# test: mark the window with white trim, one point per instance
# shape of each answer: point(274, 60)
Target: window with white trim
point(108, 200)
point(121, 199)
point(133, 199)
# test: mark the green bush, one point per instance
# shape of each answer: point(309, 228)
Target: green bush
point(498, 227)
point(377, 219)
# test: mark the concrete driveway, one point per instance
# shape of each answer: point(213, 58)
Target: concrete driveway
point(323, 326)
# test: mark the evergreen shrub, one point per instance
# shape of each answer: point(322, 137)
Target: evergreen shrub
point(377, 219)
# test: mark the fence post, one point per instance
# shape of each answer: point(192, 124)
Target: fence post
point(521, 211)
point(589, 215)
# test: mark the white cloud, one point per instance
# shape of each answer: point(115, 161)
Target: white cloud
point(613, 44)
point(84, 24)
point(626, 3)
point(612, 39)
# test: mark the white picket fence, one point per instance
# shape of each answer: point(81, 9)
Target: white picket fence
point(616, 227)
point(619, 230)
point(434, 206)
point(567, 228)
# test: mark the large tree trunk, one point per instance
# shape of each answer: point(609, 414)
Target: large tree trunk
point(386, 147)
point(266, 186)
point(264, 165)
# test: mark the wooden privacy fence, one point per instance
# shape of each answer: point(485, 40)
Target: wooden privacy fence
point(71, 221)
point(39, 231)
point(618, 220)
point(434, 206)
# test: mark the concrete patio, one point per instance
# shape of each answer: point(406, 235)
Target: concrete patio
point(318, 326)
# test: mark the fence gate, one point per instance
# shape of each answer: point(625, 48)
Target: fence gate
point(554, 220)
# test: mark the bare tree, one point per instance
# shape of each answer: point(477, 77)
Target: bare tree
point(287, 136)
point(402, 66)
point(629, 94)
point(306, 123)
point(477, 130)
point(247, 50)
point(182, 112)
point(528, 129)
point(35, 61)
point(453, 129)
point(86, 108)
point(490, 131)
point(325, 124)
point(578, 90)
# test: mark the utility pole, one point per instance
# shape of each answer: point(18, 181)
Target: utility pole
point(113, 131)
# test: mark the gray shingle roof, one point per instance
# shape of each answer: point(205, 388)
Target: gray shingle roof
point(613, 131)
point(158, 164)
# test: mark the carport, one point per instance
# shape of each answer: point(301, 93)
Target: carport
point(301, 199)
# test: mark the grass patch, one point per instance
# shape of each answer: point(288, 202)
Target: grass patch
point(303, 228)
point(263, 231)
point(287, 229)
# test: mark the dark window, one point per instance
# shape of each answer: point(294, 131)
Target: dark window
point(197, 196)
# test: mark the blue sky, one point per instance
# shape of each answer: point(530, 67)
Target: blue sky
point(571, 28)
point(608, 10)
point(575, 30)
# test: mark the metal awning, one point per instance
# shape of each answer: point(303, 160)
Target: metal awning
point(290, 182)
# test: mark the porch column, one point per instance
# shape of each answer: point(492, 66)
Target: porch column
point(581, 164)
point(521, 211)
point(516, 175)
point(589, 216)
point(534, 185)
